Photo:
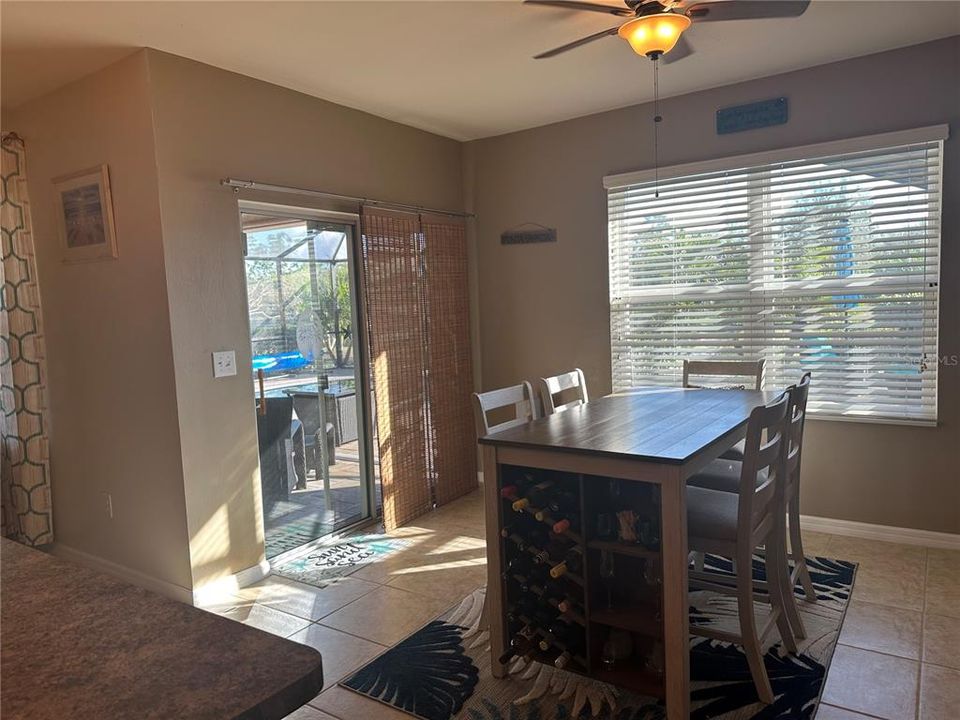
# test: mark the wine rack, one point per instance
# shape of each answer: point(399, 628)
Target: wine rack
point(582, 575)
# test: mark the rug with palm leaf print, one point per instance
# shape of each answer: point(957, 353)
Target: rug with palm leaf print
point(442, 671)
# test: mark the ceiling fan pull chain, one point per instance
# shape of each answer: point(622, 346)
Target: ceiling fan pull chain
point(656, 126)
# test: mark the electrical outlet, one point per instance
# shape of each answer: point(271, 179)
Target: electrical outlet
point(108, 504)
point(224, 363)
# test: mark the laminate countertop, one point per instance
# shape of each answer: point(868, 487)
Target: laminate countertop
point(78, 644)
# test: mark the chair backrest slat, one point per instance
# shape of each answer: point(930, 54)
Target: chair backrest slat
point(519, 396)
point(797, 419)
point(724, 368)
point(550, 387)
point(764, 449)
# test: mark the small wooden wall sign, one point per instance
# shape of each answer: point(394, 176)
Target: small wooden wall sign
point(752, 116)
point(528, 235)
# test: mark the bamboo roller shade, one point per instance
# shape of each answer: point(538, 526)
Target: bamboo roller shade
point(415, 293)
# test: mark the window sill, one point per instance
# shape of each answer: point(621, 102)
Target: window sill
point(867, 420)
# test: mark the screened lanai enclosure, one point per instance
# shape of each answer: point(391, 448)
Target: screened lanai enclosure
point(317, 465)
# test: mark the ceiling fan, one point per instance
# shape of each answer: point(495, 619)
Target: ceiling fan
point(657, 25)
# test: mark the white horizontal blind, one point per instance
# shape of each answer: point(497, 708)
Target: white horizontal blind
point(827, 264)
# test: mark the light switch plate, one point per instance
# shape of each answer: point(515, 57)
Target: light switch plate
point(224, 363)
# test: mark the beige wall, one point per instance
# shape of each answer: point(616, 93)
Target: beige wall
point(135, 410)
point(112, 403)
point(545, 308)
point(211, 124)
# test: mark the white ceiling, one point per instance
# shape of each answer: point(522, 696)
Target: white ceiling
point(460, 69)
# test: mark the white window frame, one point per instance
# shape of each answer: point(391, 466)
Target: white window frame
point(932, 133)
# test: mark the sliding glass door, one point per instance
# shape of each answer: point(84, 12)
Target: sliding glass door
point(317, 459)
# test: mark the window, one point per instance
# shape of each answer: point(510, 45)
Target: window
point(821, 259)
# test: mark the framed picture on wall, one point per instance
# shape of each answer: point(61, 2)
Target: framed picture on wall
point(85, 215)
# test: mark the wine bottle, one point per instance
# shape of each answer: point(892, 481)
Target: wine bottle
point(572, 562)
point(542, 516)
point(521, 565)
point(509, 492)
point(520, 645)
point(569, 605)
point(536, 497)
point(527, 584)
point(530, 588)
point(530, 616)
point(563, 630)
point(540, 494)
point(555, 550)
point(528, 479)
point(557, 595)
point(563, 635)
point(574, 649)
point(516, 540)
point(563, 503)
point(538, 534)
point(514, 616)
point(570, 522)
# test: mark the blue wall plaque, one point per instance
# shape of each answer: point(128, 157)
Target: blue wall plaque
point(752, 116)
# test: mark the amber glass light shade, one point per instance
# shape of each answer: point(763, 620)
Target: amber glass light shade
point(654, 35)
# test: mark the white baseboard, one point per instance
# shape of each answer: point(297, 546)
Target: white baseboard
point(208, 593)
point(94, 562)
point(223, 587)
point(885, 533)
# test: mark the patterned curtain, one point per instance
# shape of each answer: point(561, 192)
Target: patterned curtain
point(25, 469)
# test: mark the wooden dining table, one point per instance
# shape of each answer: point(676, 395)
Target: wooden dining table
point(653, 435)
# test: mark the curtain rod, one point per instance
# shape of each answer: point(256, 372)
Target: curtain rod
point(239, 185)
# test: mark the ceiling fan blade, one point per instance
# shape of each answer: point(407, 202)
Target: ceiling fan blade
point(682, 49)
point(746, 9)
point(576, 43)
point(575, 5)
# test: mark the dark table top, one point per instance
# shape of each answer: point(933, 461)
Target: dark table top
point(79, 644)
point(665, 425)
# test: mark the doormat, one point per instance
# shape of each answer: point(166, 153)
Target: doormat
point(325, 564)
point(442, 671)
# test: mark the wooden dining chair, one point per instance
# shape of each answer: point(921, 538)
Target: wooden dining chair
point(567, 383)
point(800, 569)
point(518, 402)
point(733, 525)
point(519, 397)
point(722, 475)
point(731, 370)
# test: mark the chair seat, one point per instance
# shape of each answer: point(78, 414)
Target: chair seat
point(736, 452)
point(711, 514)
point(722, 475)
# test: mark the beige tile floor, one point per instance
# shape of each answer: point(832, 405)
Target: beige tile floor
point(897, 658)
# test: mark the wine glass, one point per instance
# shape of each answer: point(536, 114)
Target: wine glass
point(606, 526)
point(608, 657)
point(607, 573)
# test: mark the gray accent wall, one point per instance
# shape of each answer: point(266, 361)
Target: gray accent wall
point(543, 309)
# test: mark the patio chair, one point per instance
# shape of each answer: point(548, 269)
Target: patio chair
point(280, 441)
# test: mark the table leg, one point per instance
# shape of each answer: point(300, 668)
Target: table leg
point(676, 633)
point(493, 604)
